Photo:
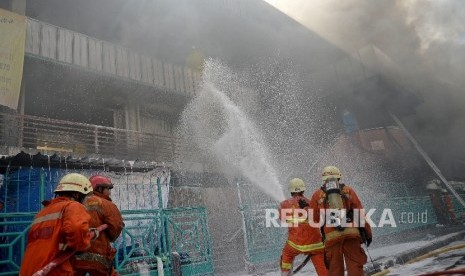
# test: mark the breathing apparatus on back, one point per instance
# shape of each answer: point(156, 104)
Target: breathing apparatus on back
point(333, 190)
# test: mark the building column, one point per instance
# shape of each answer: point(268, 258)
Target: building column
point(132, 117)
point(22, 98)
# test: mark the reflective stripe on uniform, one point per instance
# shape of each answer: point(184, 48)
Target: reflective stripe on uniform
point(62, 246)
point(286, 266)
point(306, 248)
point(96, 208)
point(347, 231)
point(48, 217)
point(294, 220)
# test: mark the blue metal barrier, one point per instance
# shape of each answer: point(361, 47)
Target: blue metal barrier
point(157, 233)
point(408, 213)
point(13, 237)
point(264, 244)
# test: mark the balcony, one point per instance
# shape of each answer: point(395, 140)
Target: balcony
point(69, 138)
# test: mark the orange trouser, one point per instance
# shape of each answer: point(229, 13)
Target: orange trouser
point(289, 254)
point(350, 250)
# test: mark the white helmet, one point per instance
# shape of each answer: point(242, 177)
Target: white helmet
point(329, 172)
point(74, 182)
point(296, 185)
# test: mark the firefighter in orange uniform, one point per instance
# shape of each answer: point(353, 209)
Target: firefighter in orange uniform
point(450, 206)
point(437, 202)
point(302, 238)
point(341, 243)
point(98, 260)
point(62, 225)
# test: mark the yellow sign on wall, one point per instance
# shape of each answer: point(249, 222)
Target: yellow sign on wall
point(12, 41)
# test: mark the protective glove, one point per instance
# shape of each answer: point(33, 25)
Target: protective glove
point(303, 203)
point(365, 238)
point(95, 233)
point(350, 216)
point(369, 240)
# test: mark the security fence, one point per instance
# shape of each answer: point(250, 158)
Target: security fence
point(407, 213)
point(263, 244)
point(157, 233)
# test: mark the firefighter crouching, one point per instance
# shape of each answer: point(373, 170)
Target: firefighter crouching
point(341, 243)
point(302, 238)
point(98, 259)
point(62, 225)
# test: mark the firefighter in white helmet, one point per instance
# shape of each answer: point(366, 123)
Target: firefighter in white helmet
point(302, 238)
point(62, 225)
point(342, 244)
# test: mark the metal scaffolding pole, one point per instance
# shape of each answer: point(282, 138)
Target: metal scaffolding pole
point(427, 159)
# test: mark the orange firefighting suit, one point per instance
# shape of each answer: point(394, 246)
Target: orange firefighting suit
point(302, 239)
point(439, 208)
point(98, 260)
point(62, 224)
point(342, 245)
point(450, 208)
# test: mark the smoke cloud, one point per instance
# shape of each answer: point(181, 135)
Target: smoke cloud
point(426, 39)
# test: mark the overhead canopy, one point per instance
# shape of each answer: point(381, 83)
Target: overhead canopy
point(64, 92)
point(23, 159)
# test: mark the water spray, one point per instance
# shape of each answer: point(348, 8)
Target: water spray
point(225, 135)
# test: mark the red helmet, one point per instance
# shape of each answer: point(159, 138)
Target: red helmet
point(100, 181)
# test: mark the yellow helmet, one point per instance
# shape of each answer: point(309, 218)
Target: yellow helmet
point(296, 185)
point(330, 171)
point(74, 182)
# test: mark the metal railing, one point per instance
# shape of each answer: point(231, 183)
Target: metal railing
point(13, 237)
point(263, 245)
point(50, 135)
point(149, 234)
